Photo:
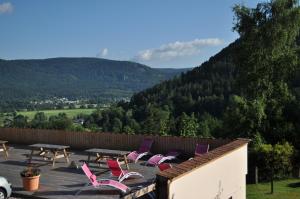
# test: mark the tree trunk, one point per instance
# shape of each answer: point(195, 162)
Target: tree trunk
point(272, 180)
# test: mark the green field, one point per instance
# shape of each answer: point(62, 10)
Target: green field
point(285, 189)
point(70, 112)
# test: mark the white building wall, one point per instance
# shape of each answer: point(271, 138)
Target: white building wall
point(222, 178)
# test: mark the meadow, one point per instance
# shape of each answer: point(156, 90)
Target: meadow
point(70, 112)
point(284, 189)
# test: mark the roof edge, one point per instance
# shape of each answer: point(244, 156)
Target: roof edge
point(197, 162)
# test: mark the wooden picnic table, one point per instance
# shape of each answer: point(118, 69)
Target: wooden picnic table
point(43, 150)
point(3, 148)
point(101, 153)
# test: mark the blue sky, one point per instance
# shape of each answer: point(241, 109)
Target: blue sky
point(158, 33)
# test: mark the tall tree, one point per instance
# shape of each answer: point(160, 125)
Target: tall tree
point(276, 160)
point(265, 59)
point(267, 54)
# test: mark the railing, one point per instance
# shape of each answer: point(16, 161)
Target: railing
point(83, 140)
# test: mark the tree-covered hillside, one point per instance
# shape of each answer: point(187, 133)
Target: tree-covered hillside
point(206, 88)
point(75, 78)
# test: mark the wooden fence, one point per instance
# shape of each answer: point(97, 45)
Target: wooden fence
point(84, 140)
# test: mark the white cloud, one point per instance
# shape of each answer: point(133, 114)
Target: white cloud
point(176, 49)
point(103, 53)
point(6, 7)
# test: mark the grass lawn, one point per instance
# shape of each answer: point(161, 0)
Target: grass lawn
point(285, 189)
point(70, 112)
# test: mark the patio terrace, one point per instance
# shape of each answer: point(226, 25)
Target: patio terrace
point(226, 159)
point(62, 181)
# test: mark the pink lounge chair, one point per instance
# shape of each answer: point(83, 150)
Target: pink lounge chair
point(164, 166)
point(101, 182)
point(117, 171)
point(143, 150)
point(201, 149)
point(159, 158)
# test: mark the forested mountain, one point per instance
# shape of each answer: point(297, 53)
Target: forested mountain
point(206, 88)
point(76, 78)
point(203, 95)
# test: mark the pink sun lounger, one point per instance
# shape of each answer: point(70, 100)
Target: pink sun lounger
point(159, 158)
point(117, 171)
point(143, 150)
point(201, 149)
point(101, 182)
point(164, 166)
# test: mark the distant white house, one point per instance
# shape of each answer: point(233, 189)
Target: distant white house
point(79, 121)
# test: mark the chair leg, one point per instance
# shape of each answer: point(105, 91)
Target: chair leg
point(30, 156)
point(66, 155)
point(126, 162)
point(5, 151)
point(54, 158)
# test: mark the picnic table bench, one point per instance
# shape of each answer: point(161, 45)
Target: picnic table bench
point(49, 151)
point(3, 148)
point(101, 153)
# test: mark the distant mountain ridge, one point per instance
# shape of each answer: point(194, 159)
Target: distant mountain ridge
point(76, 78)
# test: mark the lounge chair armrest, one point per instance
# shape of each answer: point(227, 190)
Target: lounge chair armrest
point(141, 155)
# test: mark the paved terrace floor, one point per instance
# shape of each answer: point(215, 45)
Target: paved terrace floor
point(63, 182)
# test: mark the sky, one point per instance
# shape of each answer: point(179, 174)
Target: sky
point(158, 33)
